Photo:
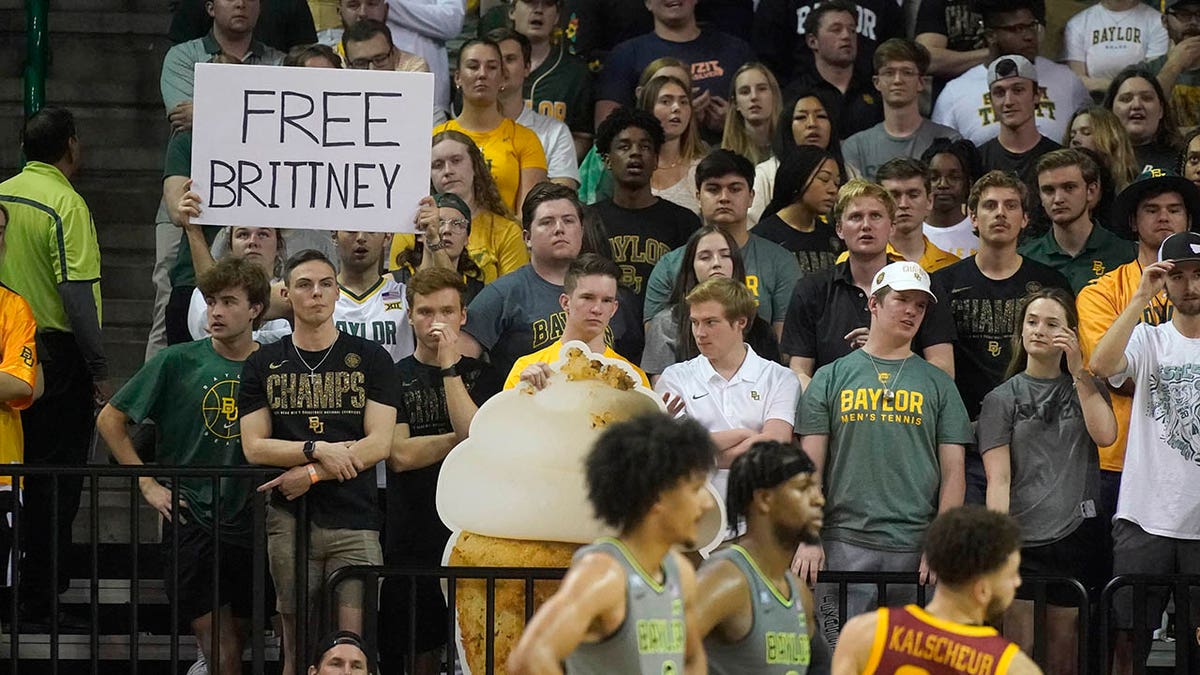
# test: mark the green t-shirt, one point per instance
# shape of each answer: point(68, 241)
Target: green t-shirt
point(1102, 253)
point(50, 240)
point(179, 163)
point(882, 474)
point(191, 393)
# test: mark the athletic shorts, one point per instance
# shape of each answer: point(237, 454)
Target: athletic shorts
point(197, 552)
point(1079, 555)
point(1136, 551)
point(328, 550)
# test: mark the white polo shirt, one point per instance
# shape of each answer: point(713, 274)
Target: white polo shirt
point(760, 390)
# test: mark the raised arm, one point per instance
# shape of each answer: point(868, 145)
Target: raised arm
point(1108, 358)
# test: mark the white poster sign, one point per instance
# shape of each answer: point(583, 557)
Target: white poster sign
point(310, 148)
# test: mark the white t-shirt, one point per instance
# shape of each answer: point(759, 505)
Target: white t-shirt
point(764, 186)
point(197, 322)
point(760, 390)
point(379, 315)
point(1160, 485)
point(966, 105)
point(1106, 41)
point(556, 142)
point(959, 239)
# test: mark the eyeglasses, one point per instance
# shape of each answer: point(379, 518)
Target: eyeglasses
point(1018, 28)
point(455, 224)
point(381, 62)
point(1185, 15)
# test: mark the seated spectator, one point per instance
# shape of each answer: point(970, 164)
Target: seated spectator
point(349, 13)
point(559, 84)
point(953, 167)
point(287, 23)
point(1038, 434)
point(641, 227)
point(829, 33)
point(495, 243)
point(713, 57)
point(440, 392)
point(341, 652)
point(825, 316)
point(1137, 99)
point(185, 389)
point(1013, 86)
point(589, 302)
point(952, 31)
point(1010, 27)
point(907, 181)
point(757, 101)
point(1178, 71)
point(669, 100)
point(710, 252)
point(752, 399)
point(860, 412)
point(521, 312)
point(1108, 36)
point(796, 218)
point(723, 183)
point(1096, 128)
point(561, 165)
point(514, 153)
point(1189, 159)
point(444, 226)
point(312, 56)
point(900, 67)
point(263, 246)
point(806, 119)
point(785, 32)
point(422, 27)
point(1076, 245)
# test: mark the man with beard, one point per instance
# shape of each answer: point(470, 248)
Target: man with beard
point(756, 616)
point(1156, 529)
point(627, 605)
point(369, 305)
point(1076, 245)
point(641, 227)
point(1178, 70)
point(975, 554)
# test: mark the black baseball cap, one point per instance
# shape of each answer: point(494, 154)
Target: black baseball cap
point(1174, 3)
point(1156, 181)
point(1180, 247)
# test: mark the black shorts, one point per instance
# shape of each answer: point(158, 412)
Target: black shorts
point(196, 556)
point(1136, 551)
point(1079, 555)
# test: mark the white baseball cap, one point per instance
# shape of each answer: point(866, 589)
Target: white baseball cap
point(903, 276)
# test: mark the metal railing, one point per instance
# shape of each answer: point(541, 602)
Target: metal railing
point(1180, 587)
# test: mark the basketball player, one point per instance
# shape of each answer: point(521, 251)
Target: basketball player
point(755, 615)
point(975, 554)
point(625, 605)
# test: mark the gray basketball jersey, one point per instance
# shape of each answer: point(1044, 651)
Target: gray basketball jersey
point(778, 641)
point(651, 639)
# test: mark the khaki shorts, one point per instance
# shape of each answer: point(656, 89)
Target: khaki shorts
point(328, 550)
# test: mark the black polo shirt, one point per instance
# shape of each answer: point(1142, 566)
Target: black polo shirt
point(859, 108)
point(826, 305)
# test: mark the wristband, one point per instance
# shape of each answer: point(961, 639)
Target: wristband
point(312, 474)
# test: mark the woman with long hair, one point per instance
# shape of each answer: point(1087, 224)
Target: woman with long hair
point(1096, 128)
point(514, 153)
point(670, 100)
point(710, 252)
point(806, 186)
point(1039, 432)
point(751, 121)
point(1138, 101)
point(263, 246)
point(444, 223)
point(803, 120)
point(495, 243)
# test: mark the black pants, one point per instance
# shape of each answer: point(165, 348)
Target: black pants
point(58, 431)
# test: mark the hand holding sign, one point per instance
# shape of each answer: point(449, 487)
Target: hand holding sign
point(310, 148)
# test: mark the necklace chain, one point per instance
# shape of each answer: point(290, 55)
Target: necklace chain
point(888, 394)
point(313, 369)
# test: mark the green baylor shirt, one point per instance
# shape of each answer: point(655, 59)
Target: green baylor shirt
point(191, 393)
point(882, 474)
point(1102, 253)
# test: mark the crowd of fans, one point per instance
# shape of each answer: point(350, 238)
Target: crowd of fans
point(716, 192)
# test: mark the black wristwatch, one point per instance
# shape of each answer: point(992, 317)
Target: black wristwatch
point(452, 371)
point(310, 449)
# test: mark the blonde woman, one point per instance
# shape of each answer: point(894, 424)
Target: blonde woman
point(756, 105)
point(669, 99)
point(1098, 129)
